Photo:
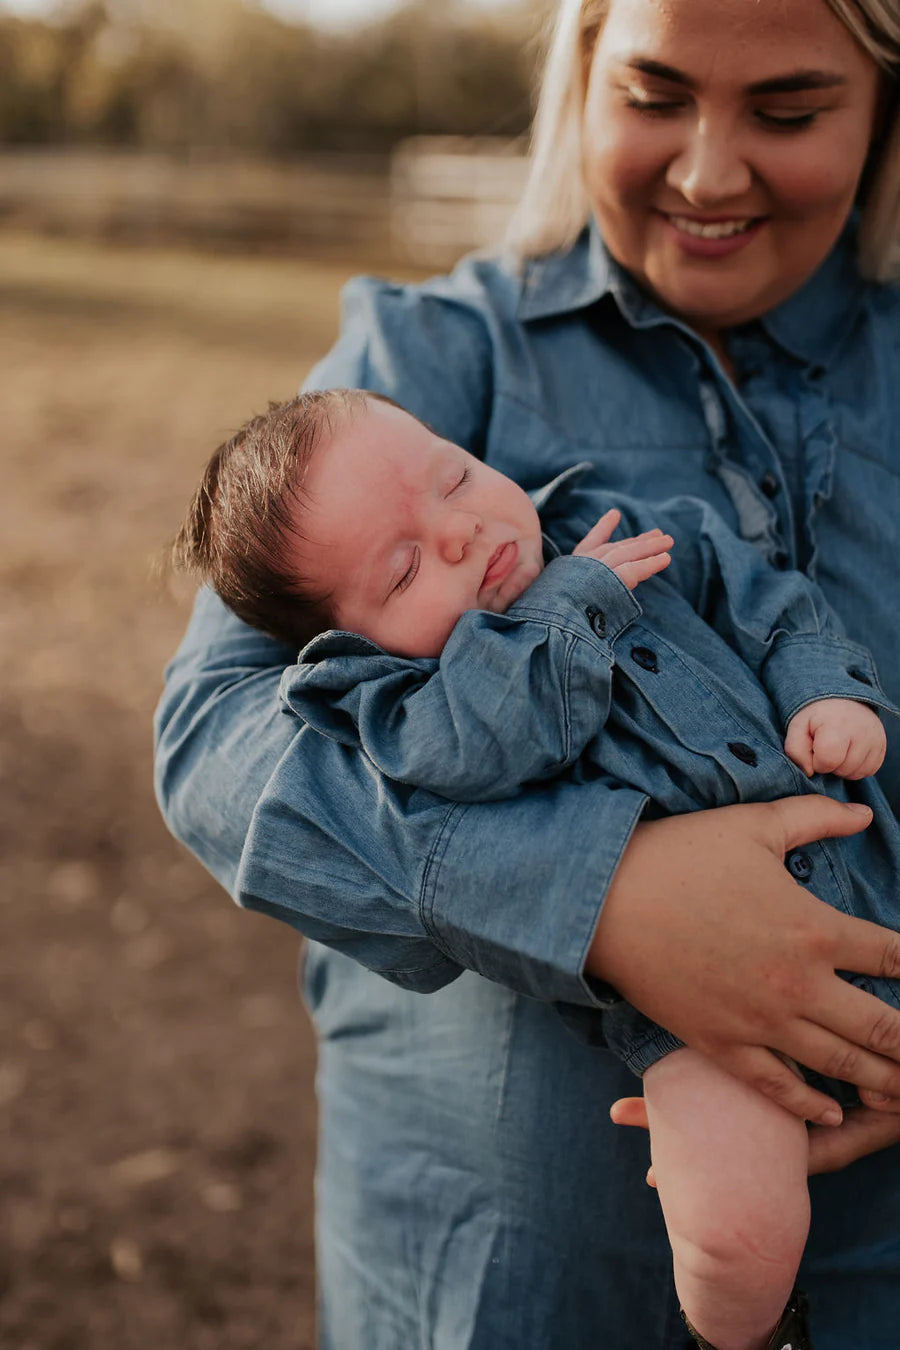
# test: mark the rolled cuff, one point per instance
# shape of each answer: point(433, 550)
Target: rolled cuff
point(525, 917)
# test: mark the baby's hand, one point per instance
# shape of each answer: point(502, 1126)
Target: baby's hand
point(836, 735)
point(633, 560)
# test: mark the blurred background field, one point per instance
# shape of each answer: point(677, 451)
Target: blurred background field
point(156, 1101)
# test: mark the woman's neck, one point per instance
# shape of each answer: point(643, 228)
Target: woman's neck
point(715, 340)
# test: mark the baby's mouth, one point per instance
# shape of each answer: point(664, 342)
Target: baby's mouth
point(500, 564)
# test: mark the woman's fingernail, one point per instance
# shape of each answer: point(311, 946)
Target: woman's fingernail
point(833, 1116)
point(878, 1097)
point(858, 806)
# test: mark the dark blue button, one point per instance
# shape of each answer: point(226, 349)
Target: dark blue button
point(800, 865)
point(743, 752)
point(859, 675)
point(645, 658)
point(597, 619)
point(769, 485)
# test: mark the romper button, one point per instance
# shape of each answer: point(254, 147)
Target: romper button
point(597, 619)
point(770, 485)
point(743, 752)
point(800, 866)
point(645, 658)
point(859, 675)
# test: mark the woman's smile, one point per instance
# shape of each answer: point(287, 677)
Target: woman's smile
point(721, 171)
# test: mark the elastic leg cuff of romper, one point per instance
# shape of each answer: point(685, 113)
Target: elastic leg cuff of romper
point(651, 1049)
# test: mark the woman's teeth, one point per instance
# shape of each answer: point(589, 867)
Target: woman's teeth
point(720, 229)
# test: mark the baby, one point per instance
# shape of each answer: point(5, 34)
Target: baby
point(487, 639)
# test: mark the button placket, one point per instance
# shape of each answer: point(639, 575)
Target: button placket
point(800, 865)
point(646, 658)
point(745, 753)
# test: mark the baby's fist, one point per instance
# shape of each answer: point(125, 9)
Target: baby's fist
point(836, 735)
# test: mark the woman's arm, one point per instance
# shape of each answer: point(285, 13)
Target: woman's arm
point(297, 826)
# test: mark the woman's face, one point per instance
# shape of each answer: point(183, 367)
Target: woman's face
point(723, 145)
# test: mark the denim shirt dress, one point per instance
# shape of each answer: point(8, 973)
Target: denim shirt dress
point(471, 1190)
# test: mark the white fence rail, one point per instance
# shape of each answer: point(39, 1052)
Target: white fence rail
point(438, 198)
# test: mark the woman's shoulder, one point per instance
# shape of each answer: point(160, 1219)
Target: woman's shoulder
point(481, 287)
point(432, 345)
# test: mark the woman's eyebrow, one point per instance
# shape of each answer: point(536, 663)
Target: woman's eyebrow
point(796, 81)
point(646, 66)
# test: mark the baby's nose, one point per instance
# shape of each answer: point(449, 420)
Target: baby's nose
point(458, 532)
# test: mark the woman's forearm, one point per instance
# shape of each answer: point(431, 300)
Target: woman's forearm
point(416, 888)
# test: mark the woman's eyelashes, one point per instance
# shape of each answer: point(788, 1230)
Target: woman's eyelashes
point(772, 119)
point(466, 475)
point(786, 121)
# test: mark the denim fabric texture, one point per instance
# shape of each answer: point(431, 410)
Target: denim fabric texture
point(681, 690)
point(472, 1194)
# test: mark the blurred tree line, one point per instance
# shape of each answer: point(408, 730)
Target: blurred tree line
point(187, 76)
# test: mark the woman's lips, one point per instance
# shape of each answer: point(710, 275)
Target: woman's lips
point(500, 564)
point(712, 238)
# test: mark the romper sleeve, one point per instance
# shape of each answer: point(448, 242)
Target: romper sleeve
point(301, 827)
point(514, 697)
point(779, 622)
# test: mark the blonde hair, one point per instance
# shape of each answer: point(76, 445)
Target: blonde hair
point(554, 207)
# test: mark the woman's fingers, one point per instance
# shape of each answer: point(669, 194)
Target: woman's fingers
point(705, 931)
point(773, 1078)
point(879, 1102)
point(868, 949)
point(862, 1132)
point(792, 821)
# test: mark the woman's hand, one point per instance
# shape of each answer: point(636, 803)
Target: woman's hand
point(863, 1131)
point(705, 931)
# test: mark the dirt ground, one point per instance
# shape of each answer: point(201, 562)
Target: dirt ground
point(156, 1067)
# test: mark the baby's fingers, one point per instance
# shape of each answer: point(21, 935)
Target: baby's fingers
point(599, 533)
point(865, 756)
point(632, 573)
point(631, 550)
point(798, 744)
point(830, 748)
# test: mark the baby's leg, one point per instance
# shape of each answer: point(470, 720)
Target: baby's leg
point(731, 1170)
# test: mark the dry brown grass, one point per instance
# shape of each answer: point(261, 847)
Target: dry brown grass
point(155, 1076)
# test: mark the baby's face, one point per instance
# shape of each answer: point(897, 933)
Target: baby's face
point(405, 532)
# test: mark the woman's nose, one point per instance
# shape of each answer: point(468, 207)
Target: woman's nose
point(456, 531)
point(709, 169)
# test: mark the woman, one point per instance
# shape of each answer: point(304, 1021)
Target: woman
point(686, 309)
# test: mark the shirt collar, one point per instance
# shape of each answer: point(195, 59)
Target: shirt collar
point(560, 283)
point(810, 324)
point(813, 322)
